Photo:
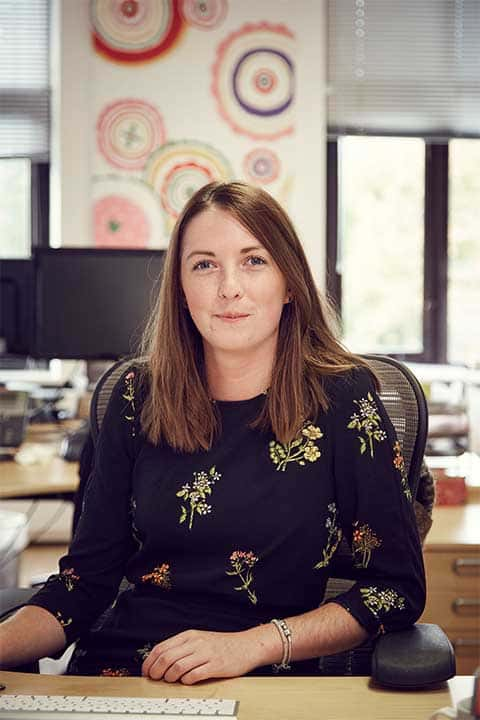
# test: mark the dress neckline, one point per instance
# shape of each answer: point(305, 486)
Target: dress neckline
point(226, 404)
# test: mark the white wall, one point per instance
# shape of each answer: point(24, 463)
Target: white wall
point(309, 210)
point(71, 138)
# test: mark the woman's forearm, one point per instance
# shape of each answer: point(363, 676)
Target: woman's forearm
point(324, 631)
point(30, 634)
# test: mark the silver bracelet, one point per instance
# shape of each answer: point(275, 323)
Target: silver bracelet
point(286, 636)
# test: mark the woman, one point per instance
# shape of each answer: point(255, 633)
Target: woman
point(228, 468)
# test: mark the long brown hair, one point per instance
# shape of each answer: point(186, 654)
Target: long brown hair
point(177, 408)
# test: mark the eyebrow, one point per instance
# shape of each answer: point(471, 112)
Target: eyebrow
point(209, 253)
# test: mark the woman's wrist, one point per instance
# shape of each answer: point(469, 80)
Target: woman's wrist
point(265, 644)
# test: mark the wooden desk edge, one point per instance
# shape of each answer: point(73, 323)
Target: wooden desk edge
point(260, 698)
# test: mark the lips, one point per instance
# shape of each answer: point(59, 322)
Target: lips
point(231, 316)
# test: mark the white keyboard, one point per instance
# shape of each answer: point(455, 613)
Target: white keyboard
point(76, 707)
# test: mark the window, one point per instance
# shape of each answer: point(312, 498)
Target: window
point(463, 303)
point(24, 125)
point(15, 214)
point(403, 190)
point(381, 190)
point(403, 246)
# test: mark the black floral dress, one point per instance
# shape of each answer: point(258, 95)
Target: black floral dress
point(227, 539)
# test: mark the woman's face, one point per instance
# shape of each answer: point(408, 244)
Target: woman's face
point(234, 290)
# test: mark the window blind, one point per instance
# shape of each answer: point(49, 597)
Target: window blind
point(24, 78)
point(404, 67)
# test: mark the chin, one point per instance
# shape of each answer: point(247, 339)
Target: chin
point(233, 342)
point(238, 346)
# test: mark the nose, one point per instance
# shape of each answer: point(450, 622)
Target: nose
point(230, 286)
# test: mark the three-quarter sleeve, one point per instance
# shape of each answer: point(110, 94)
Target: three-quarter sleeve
point(89, 575)
point(375, 511)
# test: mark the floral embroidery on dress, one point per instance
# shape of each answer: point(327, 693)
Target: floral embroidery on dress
point(399, 463)
point(64, 623)
point(143, 652)
point(129, 396)
point(196, 495)
point(381, 601)
point(115, 672)
point(334, 537)
point(135, 530)
point(159, 576)
point(364, 541)
point(298, 450)
point(69, 578)
point(242, 563)
point(367, 421)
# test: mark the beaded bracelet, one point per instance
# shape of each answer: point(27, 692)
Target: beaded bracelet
point(286, 635)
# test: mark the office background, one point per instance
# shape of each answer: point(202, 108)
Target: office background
point(360, 116)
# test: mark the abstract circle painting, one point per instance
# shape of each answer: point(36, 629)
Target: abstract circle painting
point(261, 166)
point(253, 80)
point(132, 31)
point(128, 131)
point(179, 168)
point(126, 213)
point(204, 14)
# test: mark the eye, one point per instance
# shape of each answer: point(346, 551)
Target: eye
point(202, 265)
point(255, 260)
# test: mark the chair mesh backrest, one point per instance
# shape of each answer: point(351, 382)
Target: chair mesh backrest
point(405, 404)
point(102, 392)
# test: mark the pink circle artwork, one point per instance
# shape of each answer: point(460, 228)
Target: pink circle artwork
point(128, 131)
point(253, 80)
point(204, 14)
point(135, 31)
point(118, 222)
point(261, 166)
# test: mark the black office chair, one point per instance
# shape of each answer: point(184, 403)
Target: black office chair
point(422, 655)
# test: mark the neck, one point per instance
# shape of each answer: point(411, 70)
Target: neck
point(237, 378)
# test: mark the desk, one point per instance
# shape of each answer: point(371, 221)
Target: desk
point(261, 698)
point(452, 564)
point(54, 478)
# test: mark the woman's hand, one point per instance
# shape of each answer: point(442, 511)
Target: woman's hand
point(196, 655)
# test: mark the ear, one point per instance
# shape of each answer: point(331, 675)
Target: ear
point(288, 297)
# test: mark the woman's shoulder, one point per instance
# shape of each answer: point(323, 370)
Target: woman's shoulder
point(134, 372)
point(350, 384)
point(126, 384)
point(120, 396)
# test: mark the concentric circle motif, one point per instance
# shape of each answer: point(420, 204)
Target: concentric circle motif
point(261, 166)
point(135, 30)
point(126, 213)
point(178, 169)
point(128, 131)
point(253, 80)
point(119, 222)
point(204, 14)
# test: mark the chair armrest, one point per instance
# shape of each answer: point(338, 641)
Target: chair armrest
point(414, 658)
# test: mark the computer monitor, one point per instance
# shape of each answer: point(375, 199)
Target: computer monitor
point(93, 303)
point(16, 307)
